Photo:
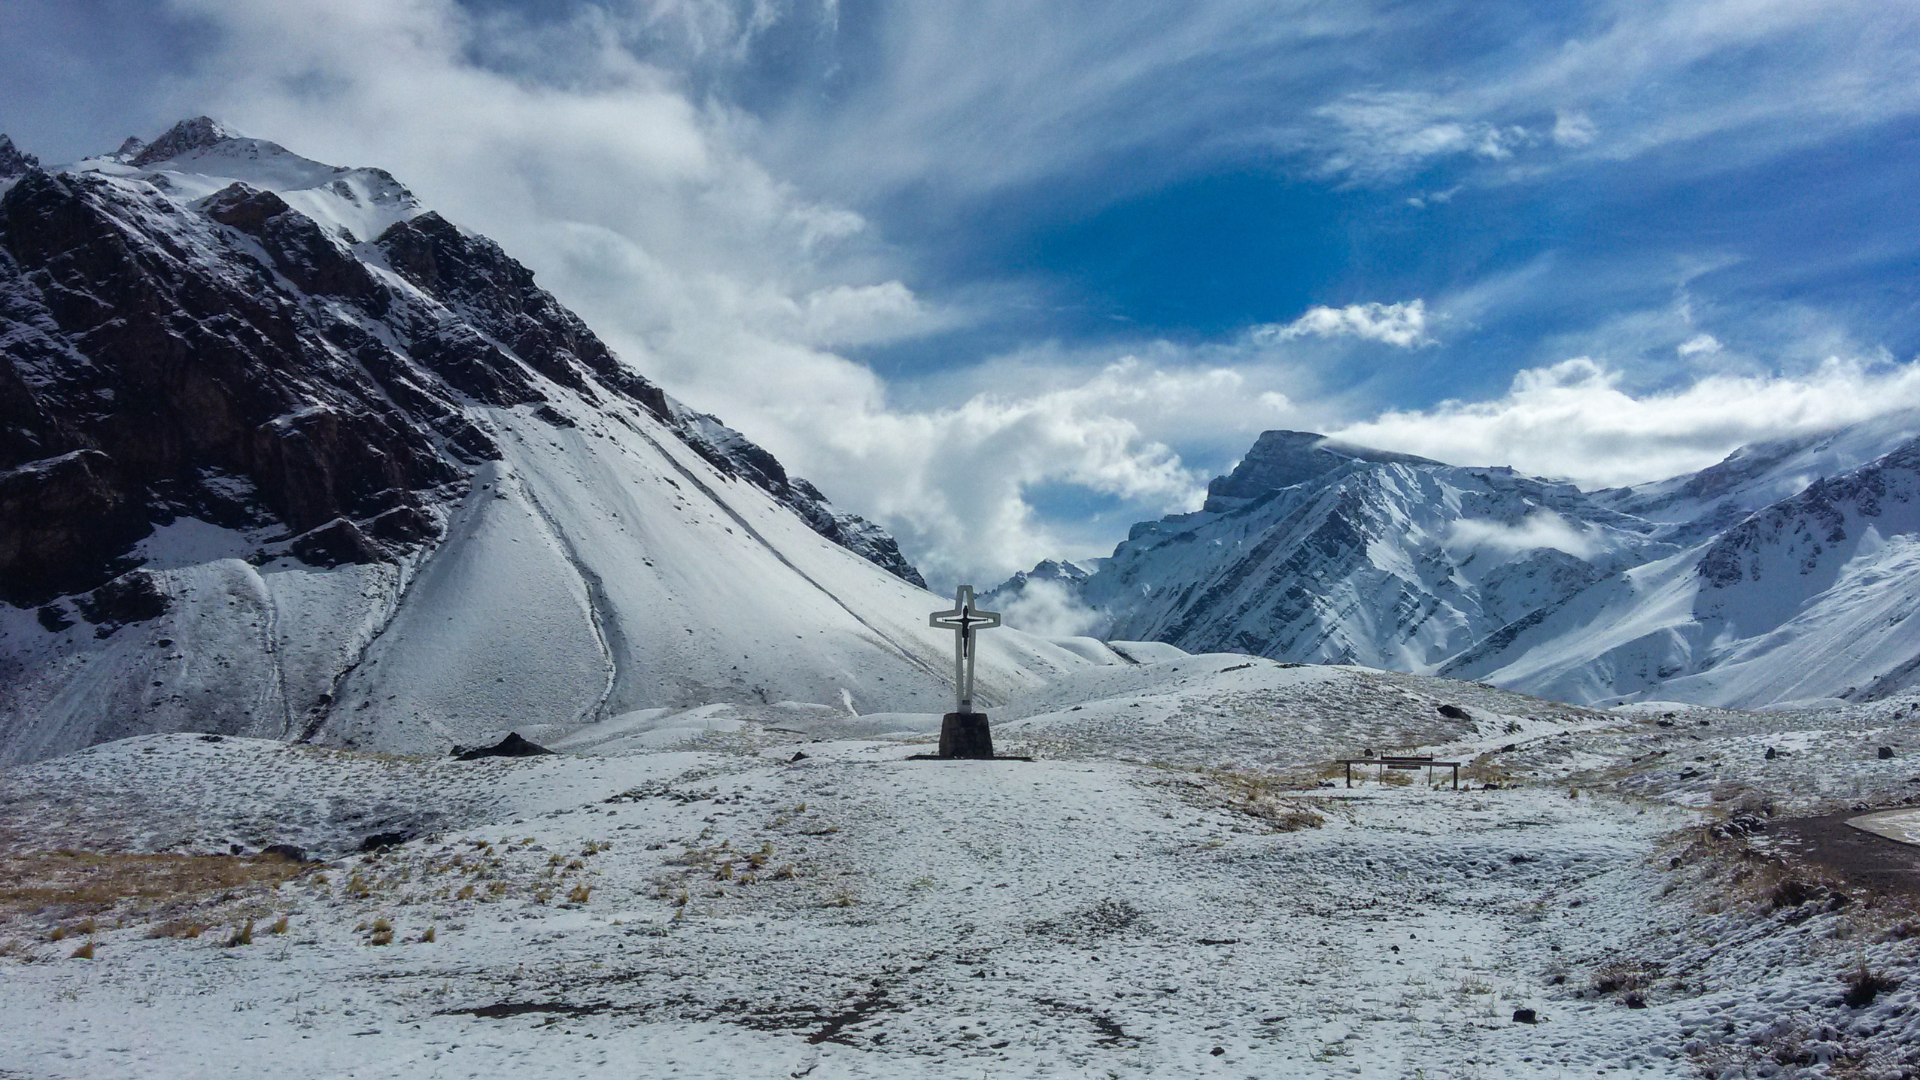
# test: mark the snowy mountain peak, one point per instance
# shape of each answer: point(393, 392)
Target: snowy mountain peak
point(12, 161)
point(284, 454)
point(1281, 459)
point(199, 133)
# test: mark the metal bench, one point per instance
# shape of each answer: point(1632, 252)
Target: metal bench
point(1402, 764)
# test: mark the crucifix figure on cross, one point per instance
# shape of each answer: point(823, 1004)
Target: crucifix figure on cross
point(963, 732)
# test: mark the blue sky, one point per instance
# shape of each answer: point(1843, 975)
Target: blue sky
point(1008, 277)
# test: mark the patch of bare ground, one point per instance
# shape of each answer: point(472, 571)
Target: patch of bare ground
point(1828, 843)
point(68, 884)
point(1273, 801)
point(53, 896)
point(1799, 895)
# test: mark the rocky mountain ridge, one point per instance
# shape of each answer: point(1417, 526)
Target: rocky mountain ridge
point(155, 380)
point(1311, 551)
point(259, 414)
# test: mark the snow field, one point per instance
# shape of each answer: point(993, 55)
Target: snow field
point(764, 889)
point(1065, 918)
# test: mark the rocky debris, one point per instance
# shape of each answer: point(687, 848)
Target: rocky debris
point(289, 852)
point(511, 746)
point(1886, 753)
point(338, 541)
point(12, 161)
point(132, 597)
point(383, 841)
point(1454, 712)
point(1525, 1016)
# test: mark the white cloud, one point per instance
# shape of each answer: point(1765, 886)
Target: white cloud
point(1542, 529)
point(722, 252)
point(1048, 609)
point(1699, 345)
point(1403, 324)
point(1573, 129)
point(1381, 134)
point(648, 215)
point(951, 482)
point(1575, 419)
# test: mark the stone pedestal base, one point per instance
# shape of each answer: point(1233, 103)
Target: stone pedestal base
point(965, 735)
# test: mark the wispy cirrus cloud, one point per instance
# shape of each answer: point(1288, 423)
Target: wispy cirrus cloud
point(754, 200)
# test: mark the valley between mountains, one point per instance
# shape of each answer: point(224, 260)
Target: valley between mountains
point(305, 488)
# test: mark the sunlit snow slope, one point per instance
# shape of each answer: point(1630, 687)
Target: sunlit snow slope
point(1784, 573)
point(1808, 598)
point(282, 454)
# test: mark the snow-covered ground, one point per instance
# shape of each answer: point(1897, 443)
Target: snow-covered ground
point(1172, 887)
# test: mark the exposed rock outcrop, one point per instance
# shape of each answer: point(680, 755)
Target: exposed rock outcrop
point(238, 361)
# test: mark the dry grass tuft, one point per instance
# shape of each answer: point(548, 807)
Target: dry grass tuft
point(1263, 797)
point(427, 938)
point(1625, 975)
point(580, 894)
point(93, 882)
point(241, 936)
point(1864, 985)
point(179, 929)
point(279, 926)
point(84, 952)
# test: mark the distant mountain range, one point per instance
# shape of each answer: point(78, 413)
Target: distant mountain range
point(284, 453)
point(1784, 573)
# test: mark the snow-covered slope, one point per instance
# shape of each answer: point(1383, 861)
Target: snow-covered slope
point(1698, 505)
point(1752, 582)
point(282, 454)
point(1809, 598)
point(1310, 552)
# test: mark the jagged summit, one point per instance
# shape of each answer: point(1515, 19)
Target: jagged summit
point(12, 161)
point(1046, 570)
point(1281, 459)
point(283, 453)
point(199, 133)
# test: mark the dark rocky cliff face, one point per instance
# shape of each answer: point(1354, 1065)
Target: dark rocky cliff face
point(237, 361)
point(12, 161)
point(194, 382)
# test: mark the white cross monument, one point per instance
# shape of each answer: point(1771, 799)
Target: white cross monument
point(963, 732)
